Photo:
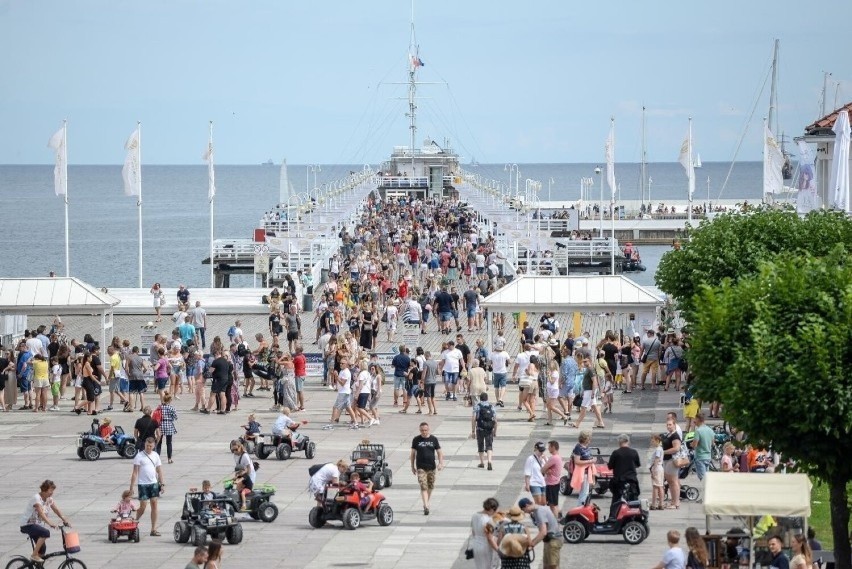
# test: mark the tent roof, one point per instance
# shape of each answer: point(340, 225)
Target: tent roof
point(753, 494)
point(556, 294)
point(40, 296)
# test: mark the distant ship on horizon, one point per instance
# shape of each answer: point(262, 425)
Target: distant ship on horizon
point(268, 163)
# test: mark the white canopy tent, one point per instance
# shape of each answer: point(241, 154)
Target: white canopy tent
point(58, 296)
point(753, 495)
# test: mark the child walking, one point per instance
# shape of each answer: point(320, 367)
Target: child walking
point(657, 473)
point(608, 389)
point(553, 406)
point(55, 382)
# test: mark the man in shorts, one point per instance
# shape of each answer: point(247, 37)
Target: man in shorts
point(300, 369)
point(343, 402)
point(552, 471)
point(548, 532)
point(425, 448)
point(147, 480)
point(451, 366)
point(500, 359)
point(533, 478)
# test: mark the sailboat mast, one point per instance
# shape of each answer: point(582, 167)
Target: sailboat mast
point(642, 169)
point(773, 93)
point(413, 64)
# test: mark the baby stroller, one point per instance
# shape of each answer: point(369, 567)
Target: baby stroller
point(688, 493)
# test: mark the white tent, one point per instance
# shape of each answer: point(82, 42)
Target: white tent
point(573, 293)
point(51, 296)
point(754, 495)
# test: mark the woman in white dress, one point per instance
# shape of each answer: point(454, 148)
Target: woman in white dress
point(483, 539)
point(159, 297)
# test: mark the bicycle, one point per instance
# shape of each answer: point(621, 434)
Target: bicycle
point(21, 562)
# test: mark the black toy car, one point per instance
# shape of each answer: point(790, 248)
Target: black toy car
point(90, 444)
point(202, 517)
point(370, 462)
point(284, 446)
point(258, 501)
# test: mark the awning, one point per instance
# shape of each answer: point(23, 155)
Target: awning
point(757, 494)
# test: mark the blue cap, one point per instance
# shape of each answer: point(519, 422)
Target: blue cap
point(524, 502)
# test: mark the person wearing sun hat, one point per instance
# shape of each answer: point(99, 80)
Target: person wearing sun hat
point(514, 539)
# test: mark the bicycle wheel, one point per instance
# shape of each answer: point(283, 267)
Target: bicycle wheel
point(19, 563)
point(72, 563)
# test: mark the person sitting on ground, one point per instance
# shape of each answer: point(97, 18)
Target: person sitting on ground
point(356, 486)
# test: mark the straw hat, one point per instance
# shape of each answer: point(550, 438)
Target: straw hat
point(515, 514)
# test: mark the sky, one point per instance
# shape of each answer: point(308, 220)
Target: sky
point(319, 82)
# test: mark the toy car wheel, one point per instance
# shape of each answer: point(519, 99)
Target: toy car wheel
point(181, 532)
point(267, 512)
point(92, 452)
point(389, 477)
point(565, 486)
point(574, 531)
point(262, 451)
point(310, 450)
point(634, 532)
point(316, 517)
point(283, 451)
point(692, 493)
point(385, 515)
point(379, 480)
point(351, 518)
point(234, 534)
point(134, 536)
point(113, 535)
point(199, 536)
point(600, 490)
point(251, 447)
point(80, 452)
point(129, 451)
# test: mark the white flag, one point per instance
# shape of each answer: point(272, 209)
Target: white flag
point(773, 162)
point(132, 170)
point(687, 160)
point(610, 160)
point(60, 170)
point(211, 178)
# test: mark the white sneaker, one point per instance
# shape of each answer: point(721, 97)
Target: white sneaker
point(53, 408)
point(372, 422)
point(378, 422)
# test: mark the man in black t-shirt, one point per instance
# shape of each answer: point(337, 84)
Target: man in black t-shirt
point(221, 370)
point(275, 327)
point(623, 461)
point(424, 449)
point(145, 427)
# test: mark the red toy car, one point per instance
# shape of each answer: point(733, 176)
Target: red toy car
point(631, 522)
point(603, 479)
point(346, 506)
point(123, 526)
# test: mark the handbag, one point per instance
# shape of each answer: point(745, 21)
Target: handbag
point(578, 400)
point(681, 457)
point(645, 354)
point(384, 316)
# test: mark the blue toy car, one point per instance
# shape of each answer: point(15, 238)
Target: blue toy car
point(90, 444)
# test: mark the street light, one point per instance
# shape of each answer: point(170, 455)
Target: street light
point(600, 207)
point(311, 168)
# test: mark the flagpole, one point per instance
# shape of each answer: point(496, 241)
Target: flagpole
point(212, 196)
point(612, 200)
point(139, 192)
point(65, 180)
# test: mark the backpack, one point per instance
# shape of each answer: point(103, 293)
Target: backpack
point(314, 469)
point(242, 351)
point(232, 331)
point(485, 418)
point(157, 415)
point(550, 323)
point(208, 371)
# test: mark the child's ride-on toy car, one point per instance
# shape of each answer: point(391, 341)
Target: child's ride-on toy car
point(284, 446)
point(603, 478)
point(201, 518)
point(123, 526)
point(348, 508)
point(90, 444)
point(258, 503)
point(368, 460)
point(631, 522)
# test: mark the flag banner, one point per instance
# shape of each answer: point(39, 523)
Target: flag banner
point(839, 185)
point(416, 61)
point(807, 198)
point(211, 178)
point(60, 170)
point(773, 164)
point(610, 161)
point(132, 170)
point(685, 159)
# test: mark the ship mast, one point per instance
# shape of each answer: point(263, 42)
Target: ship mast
point(773, 93)
point(642, 170)
point(413, 64)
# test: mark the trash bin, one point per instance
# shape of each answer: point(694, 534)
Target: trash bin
point(323, 276)
point(307, 303)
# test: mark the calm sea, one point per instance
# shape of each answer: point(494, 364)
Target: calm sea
point(175, 212)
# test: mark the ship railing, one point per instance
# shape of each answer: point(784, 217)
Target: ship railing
point(232, 249)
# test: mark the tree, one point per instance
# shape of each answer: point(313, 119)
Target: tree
point(776, 347)
point(733, 246)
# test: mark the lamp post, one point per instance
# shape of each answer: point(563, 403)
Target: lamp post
point(600, 207)
point(311, 168)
